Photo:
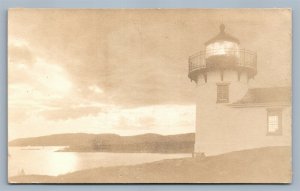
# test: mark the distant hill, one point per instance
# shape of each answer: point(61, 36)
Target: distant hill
point(81, 142)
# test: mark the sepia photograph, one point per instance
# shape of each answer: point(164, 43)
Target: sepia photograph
point(149, 96)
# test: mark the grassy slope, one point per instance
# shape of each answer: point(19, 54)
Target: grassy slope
point(264, 165)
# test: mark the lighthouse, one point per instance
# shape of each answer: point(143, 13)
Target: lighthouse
point(230, 116)
point(221, 72)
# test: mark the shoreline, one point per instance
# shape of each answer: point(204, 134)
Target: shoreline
point(239, 166)
point(77, 150)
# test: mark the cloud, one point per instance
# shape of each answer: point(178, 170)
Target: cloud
point(17, 115)
point(95, 89)
point(70, 113)
point(120, 62)
point(148, 121)
point(19, 52)
point(164, 119)
point(20, 60)
point(136, 122)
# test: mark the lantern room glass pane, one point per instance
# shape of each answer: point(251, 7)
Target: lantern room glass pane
point(221, 48)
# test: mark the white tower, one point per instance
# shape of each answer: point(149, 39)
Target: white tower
point(221, 71)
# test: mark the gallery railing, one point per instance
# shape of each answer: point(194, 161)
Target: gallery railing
point(238, 58)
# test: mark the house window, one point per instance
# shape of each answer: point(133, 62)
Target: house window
point(274, 122)
point(222, 93)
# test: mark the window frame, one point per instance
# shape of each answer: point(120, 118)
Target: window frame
point(274, 112)
point(222, 99)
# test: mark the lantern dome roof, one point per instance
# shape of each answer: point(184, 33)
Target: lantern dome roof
point(222, 36)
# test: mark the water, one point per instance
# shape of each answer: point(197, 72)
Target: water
point(45, 161)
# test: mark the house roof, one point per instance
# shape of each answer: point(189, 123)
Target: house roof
point(266, 96)
point(222, 36)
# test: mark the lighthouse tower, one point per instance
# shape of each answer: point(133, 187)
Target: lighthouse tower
point(221, 72)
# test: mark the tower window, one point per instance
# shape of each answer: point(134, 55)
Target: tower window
point(222, 93)
point(274, 122)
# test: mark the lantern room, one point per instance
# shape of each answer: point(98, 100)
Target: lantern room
point(220, 53)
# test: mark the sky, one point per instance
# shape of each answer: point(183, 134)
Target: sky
point(125, 71)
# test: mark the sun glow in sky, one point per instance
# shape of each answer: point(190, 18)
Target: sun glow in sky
point(113, 71)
